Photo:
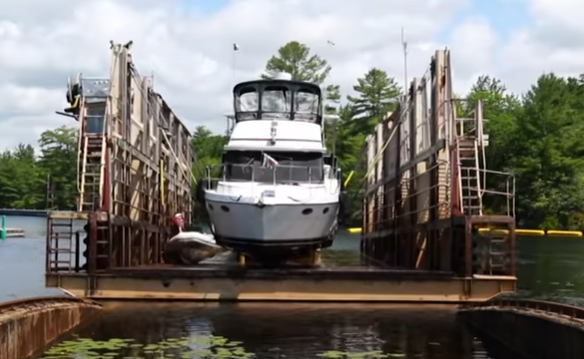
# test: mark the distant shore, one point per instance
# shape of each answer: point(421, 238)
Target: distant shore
point(23, 212)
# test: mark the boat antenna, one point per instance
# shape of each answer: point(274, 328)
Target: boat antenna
point(404, 44)
point(233, 61)
point(335, 120)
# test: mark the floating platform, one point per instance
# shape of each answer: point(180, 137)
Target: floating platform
point(231, 283)
point(14, 232)
point(422, 208)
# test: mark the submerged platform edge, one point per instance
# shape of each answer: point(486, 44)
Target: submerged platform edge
point(332, 285)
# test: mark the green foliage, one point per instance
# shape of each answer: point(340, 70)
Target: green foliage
point(208, 149)
point(24, 173)
point(537, 138)
point(377, 95)
point(186, 347)
point(208, 347)
point(295, 59)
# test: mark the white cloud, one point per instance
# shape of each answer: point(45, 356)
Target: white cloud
point(190, 54)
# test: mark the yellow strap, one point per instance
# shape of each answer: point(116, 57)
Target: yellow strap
point(349, 178)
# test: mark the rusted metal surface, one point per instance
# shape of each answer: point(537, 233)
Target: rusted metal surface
point(323, 273)
point(270, 285)
point(426, 190)
point(535, 329)
point(559, 311)
point(28, 325)
point(134, 173)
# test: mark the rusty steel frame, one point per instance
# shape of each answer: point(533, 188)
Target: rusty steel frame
point(413, 213)
point(531, 328)
point(145, 176)
point(28, 326)
point(327, 285)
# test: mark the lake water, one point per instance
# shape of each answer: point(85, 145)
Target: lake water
point(549, 268)
point(267, 331)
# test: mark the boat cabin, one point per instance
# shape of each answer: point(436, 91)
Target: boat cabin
point(277, 99)
point(274, 167)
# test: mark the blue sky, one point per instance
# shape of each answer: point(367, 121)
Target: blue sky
point(205, 6)
point(503, 15)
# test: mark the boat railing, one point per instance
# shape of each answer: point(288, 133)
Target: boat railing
point(275, 175)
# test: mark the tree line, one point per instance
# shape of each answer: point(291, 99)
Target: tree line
point(537, 136)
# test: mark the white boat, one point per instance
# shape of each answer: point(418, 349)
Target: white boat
point(277, 191)
point(190, 248)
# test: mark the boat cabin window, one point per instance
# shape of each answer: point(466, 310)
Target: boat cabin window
point(276, 102)
point(287, 100)
point(306, 105)
point(247, 103)
point(268, 167)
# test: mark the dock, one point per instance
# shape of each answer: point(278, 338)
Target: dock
point(14, 232)
point(23, 212)
point(6, 232)
point(424, 204)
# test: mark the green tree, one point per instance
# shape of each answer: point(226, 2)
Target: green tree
point(548, 158)
point(208, 148)
point(59, 153)
point(500, 109)
point(377, 94)
point(295, 59)
point(208, 152)
point(21, 179)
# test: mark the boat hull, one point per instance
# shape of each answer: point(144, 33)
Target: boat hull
point(253, 227)
point(190, 248)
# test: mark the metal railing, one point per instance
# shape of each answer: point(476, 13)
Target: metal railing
point(571, 311)
point(384, 214)
point(275, 175)
point(487, 193)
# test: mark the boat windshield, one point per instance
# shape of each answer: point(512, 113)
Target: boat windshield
point(276, 103)
point(306, 106)
point(296, 101)
point(274, 167)
point(248, 102)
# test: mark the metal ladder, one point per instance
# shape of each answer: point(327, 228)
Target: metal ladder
point(102, 255)
point(492, 252)
point(469, 176)
point(60, 246)
point(91, 177)
point(470, 146)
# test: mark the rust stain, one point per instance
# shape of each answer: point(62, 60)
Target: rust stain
point(28, 326)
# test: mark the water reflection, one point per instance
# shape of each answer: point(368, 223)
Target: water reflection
point(552, 269)
point(296, 330)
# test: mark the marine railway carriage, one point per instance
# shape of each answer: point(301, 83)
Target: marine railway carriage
point(456, 262)
point(277, 196)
